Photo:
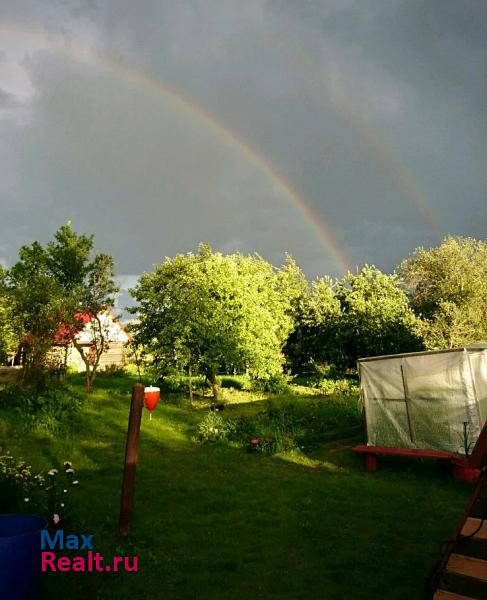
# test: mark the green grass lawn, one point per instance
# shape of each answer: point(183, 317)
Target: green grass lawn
point(215, 522)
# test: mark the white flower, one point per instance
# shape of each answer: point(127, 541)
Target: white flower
point(68, 463)
point(62, 504)
point(75, 482)
point(52, 472)
point(26, 499)
point(69, 470)
point(65, 491)
point(56, 519)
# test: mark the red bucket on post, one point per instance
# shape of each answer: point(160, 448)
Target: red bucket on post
point(151, 397)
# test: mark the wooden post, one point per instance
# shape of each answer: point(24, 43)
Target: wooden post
point(131, 453)
point(406, 402)
point(371, 462)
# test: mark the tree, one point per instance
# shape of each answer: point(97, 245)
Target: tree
point(52, 287)
point(447, 287)
point(376, 317)
point(211, 311)
point(314, 338)
point(38, 305)
point(88, 288)
point(9, 329)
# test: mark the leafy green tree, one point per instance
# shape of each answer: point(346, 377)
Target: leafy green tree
point(38, 305)
point(447, 286)
point(9, 329)
point(88, 288)
point(314, 338)
point(209, 311)
point(51, 287)
point(376, 317)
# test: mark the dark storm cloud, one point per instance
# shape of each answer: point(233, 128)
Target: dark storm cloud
point(373, 111)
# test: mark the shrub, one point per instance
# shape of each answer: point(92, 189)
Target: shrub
point(22, 490)
point(18, 483)
point(57, 490)
point(214, 428)
point(276, 384)
point(173, 384)
point(237, 382)
point(113, 371)
point(333, 387)
point(49, 409)
point(179, 384)
point(285, 424)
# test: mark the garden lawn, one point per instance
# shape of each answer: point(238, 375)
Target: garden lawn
point(215, 522)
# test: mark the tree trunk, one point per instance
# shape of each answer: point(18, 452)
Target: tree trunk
point(90, 376)
point(214, 386)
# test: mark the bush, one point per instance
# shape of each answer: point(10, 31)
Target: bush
point(113, 371)
point(18, 484)
point(285, 425)
point(179, 384)
point(333, 387)
point(313, 373)
point(276, 384)
point(22, 490)
point(237, 382)
point(47, 410)
point(214, 428)
point(173, 384)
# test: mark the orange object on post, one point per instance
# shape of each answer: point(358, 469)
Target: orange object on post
point(151, 397)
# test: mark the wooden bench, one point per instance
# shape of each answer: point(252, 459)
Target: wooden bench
point(372, 452)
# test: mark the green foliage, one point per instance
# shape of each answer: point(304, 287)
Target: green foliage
point(24, 491)
point(212, 311)
point(18, 484)
point(315, 335)
point(364, 314)
point(214, 428)
point(113, 370)
point(343, 387)
point(275, 384)
point(59, 486)
point(9, 328)
point(447, 286)
point(175, 384)
point(51, 409)
point(49, 286)
point(38, 303)
point(236, 382)
point(315, 373)
point(285, 424)
point(376, 317)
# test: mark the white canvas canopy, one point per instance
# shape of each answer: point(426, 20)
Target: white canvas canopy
point(423, 399)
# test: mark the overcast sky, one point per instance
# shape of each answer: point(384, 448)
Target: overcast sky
point(158, 124)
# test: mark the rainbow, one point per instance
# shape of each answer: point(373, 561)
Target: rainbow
point(403, 179)
point(82, 54)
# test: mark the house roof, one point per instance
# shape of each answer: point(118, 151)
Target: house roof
point(64, 333)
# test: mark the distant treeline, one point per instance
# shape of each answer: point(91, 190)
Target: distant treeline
point(210, 312)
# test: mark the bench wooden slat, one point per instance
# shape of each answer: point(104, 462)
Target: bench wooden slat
point(471, 525)
point(444, 595)
point(466, 565)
